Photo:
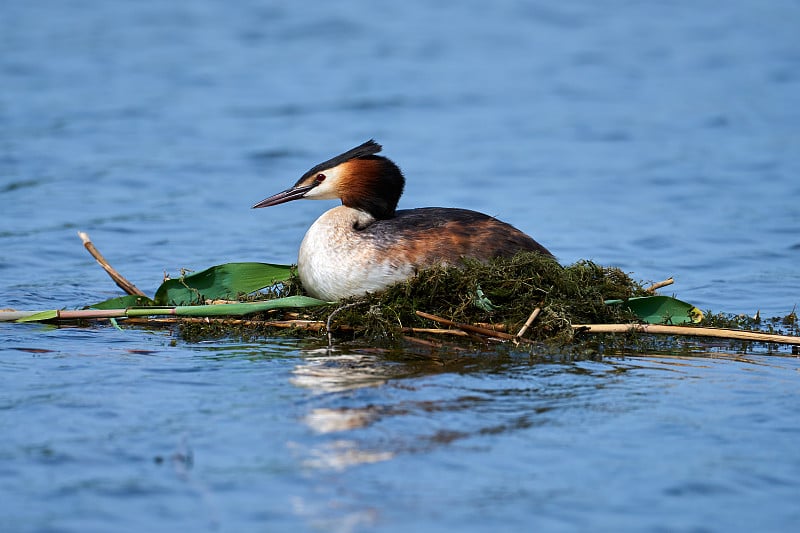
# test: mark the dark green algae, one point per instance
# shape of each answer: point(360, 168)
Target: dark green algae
point(499, 292)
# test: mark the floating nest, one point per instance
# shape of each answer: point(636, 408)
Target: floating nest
point(496, 296)
point(528, 299)
point(500, 294)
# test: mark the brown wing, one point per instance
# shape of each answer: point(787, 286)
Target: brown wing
point(434, 235)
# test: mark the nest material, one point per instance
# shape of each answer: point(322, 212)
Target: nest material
point(502, 291)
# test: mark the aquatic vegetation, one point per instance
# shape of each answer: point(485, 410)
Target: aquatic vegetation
point(502, 292)
point(529, 299)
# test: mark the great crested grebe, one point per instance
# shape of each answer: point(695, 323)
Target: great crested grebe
point(365, 244)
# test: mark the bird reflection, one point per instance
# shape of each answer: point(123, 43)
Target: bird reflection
point(330, 373)
point(324, 372)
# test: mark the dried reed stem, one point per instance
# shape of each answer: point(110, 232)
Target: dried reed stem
point(118, 278)
point(527, 324)
point(437, 331)
point(687, 331)
point(655, 286)
point(469, 327)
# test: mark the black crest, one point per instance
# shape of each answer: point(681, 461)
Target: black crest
point(368, 148)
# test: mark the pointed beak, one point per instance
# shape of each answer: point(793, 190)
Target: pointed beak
point(294, 193)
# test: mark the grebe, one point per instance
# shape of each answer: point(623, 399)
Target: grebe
point(365, 245)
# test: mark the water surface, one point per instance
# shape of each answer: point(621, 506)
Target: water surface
point(660, 139)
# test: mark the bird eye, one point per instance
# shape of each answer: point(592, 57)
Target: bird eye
point(320, 178)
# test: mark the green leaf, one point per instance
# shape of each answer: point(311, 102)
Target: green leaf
point(248, 307)
point(124, 302)
point(483, 302)
point(221, 282)
point(660, 310)
point(40, 316)
point(236, 309)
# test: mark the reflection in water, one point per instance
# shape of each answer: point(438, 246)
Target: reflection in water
point(334, 516)
point(325, 372)
point(371, 407)
point(628, 108)
point(429, 411)
point(424, 403)
point(336, 373)
point(340, 454)
point(326, 420)
point(397, 409)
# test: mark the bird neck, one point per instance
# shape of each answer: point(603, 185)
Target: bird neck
point(375, 187)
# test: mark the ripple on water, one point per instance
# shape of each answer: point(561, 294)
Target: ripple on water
point(609, 134)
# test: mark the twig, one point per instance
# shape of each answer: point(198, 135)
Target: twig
point(433, 345)
point(310, 325)
point(655, 286)
point(469, 327)
point(527, 324)
point(437, 331)
point(493, 327)
point(462, 331)
point(121, 282)
point(330, 318)
point(423, 342)
point(687, 331)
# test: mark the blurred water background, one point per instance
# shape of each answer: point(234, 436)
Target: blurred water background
point(663, 138)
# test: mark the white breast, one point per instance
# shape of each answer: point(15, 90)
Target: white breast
point(336, 262)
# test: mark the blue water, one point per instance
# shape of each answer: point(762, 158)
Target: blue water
point(660, 138)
